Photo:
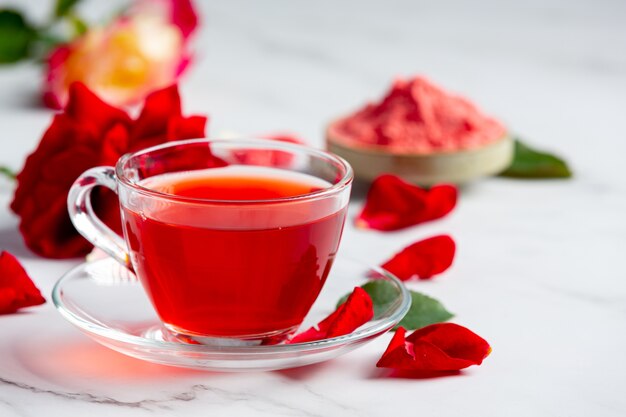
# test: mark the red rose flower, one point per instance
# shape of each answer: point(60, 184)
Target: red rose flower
point(435, 348)
point(144, 49)
point(88, 133)
point(393, 204)
point(16, 288)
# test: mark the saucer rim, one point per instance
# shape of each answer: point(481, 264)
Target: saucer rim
point(107, 333)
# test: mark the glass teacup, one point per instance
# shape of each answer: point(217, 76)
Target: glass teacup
point(232, 240)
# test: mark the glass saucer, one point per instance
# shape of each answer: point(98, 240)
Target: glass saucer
point(106, 302)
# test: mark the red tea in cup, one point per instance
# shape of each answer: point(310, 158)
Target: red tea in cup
point(214, 273)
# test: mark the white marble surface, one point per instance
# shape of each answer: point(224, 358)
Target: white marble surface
point(540, 268)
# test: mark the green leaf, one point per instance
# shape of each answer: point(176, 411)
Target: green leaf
point(16, 36)
point(45, 43)
point(78, 25)
point(424, 309)
point(64, 7)
point(7, 172)
point(532, 163)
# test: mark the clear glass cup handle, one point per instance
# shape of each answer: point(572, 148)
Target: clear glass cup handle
point(84, 218)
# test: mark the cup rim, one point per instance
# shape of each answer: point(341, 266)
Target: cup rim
point(340, 185)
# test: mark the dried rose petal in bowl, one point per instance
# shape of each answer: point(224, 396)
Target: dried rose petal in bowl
point(423, 134)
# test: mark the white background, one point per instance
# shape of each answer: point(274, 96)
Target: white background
point(540, 266)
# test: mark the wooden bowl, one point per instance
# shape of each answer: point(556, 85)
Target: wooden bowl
point(424, 169)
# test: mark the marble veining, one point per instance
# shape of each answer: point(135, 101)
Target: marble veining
point(169, 401)
point(83, 396)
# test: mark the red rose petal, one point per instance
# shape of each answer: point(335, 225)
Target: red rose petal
point(157, 110)
point(41, 201)
point(184, 159)
point(440, 200)
point(356, 311)
point(181, 127)
point(424, 259)
point(285, 137)
point(309, 335)
point(51, 100)
point(50, 233)
point(65, 166)
point(184, 16)
point(87, 108)
point(454, 340)
point(268, 158)
point(106, 206)
point(16, 288)
point(438, 347)
point(279, 158)
point(397, 354)
point(55, 62)
point(115, 143)
point(394, 204)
